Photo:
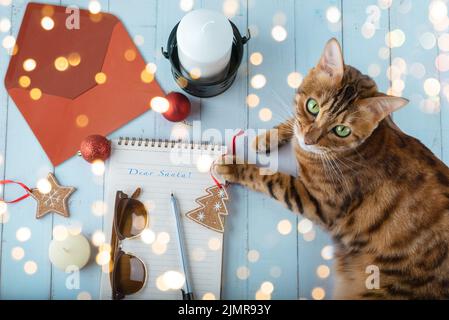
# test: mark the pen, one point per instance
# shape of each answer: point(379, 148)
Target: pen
point(187, 293)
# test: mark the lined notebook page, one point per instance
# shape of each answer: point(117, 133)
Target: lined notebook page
point(152, 168)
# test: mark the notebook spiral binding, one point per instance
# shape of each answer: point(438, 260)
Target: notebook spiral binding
point(168, 144)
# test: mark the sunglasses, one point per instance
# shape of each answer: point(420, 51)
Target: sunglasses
point(129, 273)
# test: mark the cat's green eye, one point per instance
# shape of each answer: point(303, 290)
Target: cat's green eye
point(313, 107)
point(342, 131)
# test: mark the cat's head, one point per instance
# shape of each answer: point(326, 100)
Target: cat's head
point(337, 107)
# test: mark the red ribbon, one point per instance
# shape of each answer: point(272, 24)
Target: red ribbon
point(28, 190)
point(234, 138)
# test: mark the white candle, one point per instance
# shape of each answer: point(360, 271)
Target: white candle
point(73, 250)
point(205, 40)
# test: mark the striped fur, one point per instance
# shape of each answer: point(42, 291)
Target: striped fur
point(381, 194)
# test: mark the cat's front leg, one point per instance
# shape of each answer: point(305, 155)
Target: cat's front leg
point(274, 138)
point(288, 190)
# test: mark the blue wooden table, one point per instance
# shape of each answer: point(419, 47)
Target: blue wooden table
point(398, 45)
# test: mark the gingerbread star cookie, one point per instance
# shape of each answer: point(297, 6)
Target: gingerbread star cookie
point(52, 199)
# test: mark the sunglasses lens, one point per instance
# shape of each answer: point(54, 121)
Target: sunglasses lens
point(130, 274)
point(133, 219)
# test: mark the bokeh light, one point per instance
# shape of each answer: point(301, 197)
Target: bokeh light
point(318, 293)
point(253, 256)
point(158, 248)
point(139, 40)
point(279, 33)
point(5, 25)
point(305, 226)
point(24, 81)
point(9, 42)
point(267, 287)
point(214, 244)
point(146, 76)
point(209, 296)
point(309, 236)
point(35, 94)
point(74, 59)
point(101, 78)
point(61, 64)
point(374, 70)
point(103, 257)
point(159, 104)
point(186, 5)
point(204, 163)
point(98, 238)
point(174, 279)
point(262, 296)
point(294, 80)
point(47, 23)
point(395, 38)
point(265, 114)
point(99, 208)
point(243, 273)
point(427, 40)
point(323, 271)
point(333, 14)
point(98, 167)
point(163, 237)
point(29, 65)
point(23, 234)
point(17, 253)
point(60, 233)
point(252, 100)
point(437, 11)
point(284, 227)
point(94, 7)
point(30, 267)
point(256, 58)
point(230, 8)
point(130, 55)
point(432, 87)
point(327, 253)
point(151, 67)
point(385, 4)
point(82, 121)
point(148, 236)
point(84, 295)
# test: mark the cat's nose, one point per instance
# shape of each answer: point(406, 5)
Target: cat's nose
point(309, 141)
point(312, 136)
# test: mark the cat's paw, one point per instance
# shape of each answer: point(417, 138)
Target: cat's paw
point(228, 169)
point(262, 143)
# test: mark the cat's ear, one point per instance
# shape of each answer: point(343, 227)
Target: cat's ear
point(383, 106)
point(331, 61)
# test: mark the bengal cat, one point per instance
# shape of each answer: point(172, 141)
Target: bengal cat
point(381, 194)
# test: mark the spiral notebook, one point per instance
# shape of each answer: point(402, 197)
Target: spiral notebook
point(160, 168)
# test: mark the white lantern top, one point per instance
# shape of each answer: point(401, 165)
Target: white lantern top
point(205, 36)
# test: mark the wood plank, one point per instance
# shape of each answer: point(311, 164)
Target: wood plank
point(169, 13)
point(312, 14)
point(422, 125)
point(76, 172)
point(227, 111)
point(276, 250)
point(26, 162)
point(5, 13)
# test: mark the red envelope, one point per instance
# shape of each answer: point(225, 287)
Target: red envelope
point(71, 83)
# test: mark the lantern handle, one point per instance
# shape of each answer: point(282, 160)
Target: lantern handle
point(246, 38)
point(165, 53)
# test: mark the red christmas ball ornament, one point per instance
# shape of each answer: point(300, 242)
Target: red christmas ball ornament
point(95, 147)
point(179, 107)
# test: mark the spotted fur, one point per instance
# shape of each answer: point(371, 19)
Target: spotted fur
point(381, 194)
